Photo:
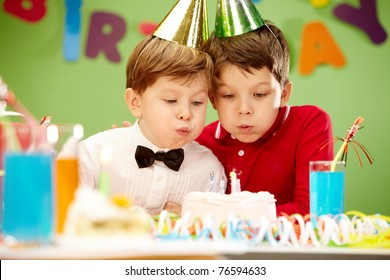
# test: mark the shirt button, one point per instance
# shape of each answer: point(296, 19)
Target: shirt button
point(241, 153)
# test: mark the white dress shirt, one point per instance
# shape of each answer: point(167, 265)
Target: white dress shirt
point(149, 187)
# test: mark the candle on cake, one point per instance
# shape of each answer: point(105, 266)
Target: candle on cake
point(212, 185)
point(222, 187)
point(235, 182)
point(105, 161)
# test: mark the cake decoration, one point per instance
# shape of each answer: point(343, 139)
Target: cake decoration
point(245, 205)
point(353, 229)
point(92, 213)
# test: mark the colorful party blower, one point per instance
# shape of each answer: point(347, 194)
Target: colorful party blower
point(236, 17)
point(185, 24)
point(343, 151)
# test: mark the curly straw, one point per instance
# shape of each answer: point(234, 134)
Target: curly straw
point(348, 137)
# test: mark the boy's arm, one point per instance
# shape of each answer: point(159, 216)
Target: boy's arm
point(315, 143)
point(89, 163)
point(173, 207)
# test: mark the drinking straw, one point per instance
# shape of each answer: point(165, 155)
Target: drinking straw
point(343, 151)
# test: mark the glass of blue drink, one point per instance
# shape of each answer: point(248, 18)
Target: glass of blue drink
point(27, 185)
point(326, 188)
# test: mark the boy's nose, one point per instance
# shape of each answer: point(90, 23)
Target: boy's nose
point(184, 114)
point(244, 108)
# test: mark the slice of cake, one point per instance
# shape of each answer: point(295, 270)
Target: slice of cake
point(243, 205)
point(94, 214)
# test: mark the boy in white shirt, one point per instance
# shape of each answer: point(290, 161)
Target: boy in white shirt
point(168, 80)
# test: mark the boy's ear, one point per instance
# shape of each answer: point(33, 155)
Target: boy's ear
point(212, 101)
point(133, 101)
point(286, 94)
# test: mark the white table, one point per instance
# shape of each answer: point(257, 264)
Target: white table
point(144, 248)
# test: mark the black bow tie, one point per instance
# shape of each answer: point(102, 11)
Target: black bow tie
point(145, 157)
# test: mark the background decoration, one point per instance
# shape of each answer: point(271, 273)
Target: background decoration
point(72, 32)
point(318, 47)
point(30, 11)
point(90, 90)
point(106, 30)
point(147, 28)
point(365, 17)
point(319, 3)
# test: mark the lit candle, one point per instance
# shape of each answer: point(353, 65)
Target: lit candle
point(105, 160)
point(233, 181)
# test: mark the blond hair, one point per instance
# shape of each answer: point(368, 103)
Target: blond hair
point(264, 47)
point(153, 58)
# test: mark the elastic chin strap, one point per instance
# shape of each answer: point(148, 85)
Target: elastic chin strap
point(270, 30)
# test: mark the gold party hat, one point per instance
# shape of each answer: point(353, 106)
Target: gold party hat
point(236, 17)
point(185, 24)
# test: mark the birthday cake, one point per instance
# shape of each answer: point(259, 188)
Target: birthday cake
point(94, 214)
point(221, 207)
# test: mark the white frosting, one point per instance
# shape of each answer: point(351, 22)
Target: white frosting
point(93, 212)
point(244, 205)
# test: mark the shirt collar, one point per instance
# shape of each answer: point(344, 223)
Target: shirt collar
point(141, 139)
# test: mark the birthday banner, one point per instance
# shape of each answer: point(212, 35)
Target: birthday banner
point(318, 46)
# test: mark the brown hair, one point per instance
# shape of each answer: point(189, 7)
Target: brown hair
point(153, 58)
point(256, 49)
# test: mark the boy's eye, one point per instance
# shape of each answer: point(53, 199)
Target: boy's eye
point(228, 96)
point(197, 103)
point(259, 94)
point(171, 101)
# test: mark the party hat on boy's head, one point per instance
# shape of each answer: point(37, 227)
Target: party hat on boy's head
point(185, 24)
point(236, 17)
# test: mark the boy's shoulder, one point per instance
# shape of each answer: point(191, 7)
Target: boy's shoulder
point(308, 116)
point(197, 150)
point(118, 134)
point(196, 147)
point(308, 111)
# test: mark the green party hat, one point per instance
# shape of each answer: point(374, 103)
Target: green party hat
point(236, 17)
point(185, 24)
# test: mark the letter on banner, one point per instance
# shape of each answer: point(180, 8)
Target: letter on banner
point(318, 47)
point(31, 11)
point(105, 31)
point(365, 18)
point(72, 33)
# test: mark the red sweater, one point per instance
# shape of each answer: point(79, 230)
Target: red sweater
point(279, 161)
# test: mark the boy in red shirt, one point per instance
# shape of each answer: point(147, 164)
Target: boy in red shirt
point(259, 136)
